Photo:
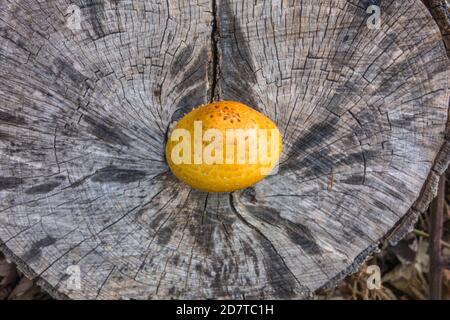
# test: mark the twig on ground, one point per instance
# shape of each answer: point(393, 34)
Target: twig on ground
point(436, 224)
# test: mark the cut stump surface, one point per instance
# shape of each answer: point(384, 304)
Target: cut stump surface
point(88, 207)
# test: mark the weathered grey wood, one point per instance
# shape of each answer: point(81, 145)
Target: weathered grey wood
point(85, 113)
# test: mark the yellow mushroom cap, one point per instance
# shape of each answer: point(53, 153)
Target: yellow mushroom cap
point(223, 146)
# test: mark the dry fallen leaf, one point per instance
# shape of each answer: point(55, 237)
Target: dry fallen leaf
point(409, 278)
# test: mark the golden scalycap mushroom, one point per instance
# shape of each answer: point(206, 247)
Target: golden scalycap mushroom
point(223, 147)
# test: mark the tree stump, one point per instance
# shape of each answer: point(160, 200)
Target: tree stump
point(88, 208)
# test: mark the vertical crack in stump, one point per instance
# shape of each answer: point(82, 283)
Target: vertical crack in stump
point(214, 71)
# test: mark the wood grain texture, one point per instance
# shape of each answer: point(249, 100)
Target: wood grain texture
point(84, 116)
